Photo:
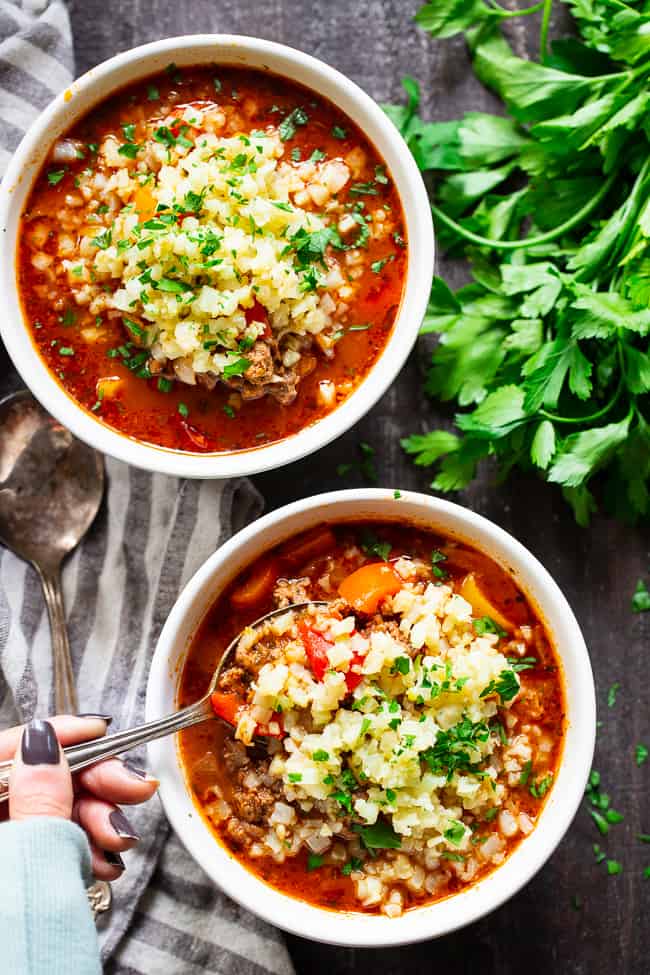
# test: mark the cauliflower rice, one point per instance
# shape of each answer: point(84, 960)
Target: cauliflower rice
point(397, 746)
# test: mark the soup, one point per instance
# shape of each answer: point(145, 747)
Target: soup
point(388, 748)
point(212, 259)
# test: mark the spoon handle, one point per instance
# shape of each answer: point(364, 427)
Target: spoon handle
point(89, 752)
point(65, 693)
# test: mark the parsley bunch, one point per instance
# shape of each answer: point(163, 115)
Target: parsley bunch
point(546, 351)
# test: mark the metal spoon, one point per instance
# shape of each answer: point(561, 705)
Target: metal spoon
point(51, 486)
point(87, 753)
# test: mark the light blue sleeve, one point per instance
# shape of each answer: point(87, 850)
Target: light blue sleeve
point(46, 926)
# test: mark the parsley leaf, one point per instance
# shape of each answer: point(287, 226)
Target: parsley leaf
point(380, 836)
point(641, 598)
point(288, 126)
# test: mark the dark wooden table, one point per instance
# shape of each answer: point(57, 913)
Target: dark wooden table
point(540, 931)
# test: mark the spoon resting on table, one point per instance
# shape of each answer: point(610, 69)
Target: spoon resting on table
point(87, 753)
point(51, 487)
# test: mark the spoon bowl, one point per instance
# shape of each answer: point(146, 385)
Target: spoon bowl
point(87, 753)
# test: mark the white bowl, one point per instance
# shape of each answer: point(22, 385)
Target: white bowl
point(140, 62)
point(436, 919)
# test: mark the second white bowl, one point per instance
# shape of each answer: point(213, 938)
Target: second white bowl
point(470, 904)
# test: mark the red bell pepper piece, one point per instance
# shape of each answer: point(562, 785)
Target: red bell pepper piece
point(316, 647)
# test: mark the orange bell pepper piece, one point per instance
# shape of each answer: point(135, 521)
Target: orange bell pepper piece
point(365, 589)
point(471, 590)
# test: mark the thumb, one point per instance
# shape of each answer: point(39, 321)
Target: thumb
point(40, 782)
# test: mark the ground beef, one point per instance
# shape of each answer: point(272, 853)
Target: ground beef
point(234, 755)
point(380, 625)
point(260, 369)
point(252, 658)
point(285, 392)
point(288, 591)
point(242, 835)
point(207, 380)
point(234, 681)
point(253, 805)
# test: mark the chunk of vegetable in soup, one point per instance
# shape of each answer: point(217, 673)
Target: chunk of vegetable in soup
point(413, 727)
point(212, 259)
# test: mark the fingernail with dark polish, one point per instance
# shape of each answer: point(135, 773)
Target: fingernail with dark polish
point(140, 773)
point(40, 745)
point(114, 859)
point(102, 717)
point(122, 826)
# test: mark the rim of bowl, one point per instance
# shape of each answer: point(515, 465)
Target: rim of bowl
point(441, 917)
point(108, 77)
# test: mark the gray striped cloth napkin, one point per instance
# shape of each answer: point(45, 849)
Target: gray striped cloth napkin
point(151, 534)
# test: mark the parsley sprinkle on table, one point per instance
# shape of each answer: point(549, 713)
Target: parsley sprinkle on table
point(641, 598)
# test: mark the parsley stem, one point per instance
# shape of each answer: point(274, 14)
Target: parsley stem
point(601, 412)
point(511, 245)
point(518, 13)
point(543, 32)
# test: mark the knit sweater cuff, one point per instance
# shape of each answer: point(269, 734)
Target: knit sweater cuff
point(46, 925)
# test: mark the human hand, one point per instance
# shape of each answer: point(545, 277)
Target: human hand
point(41, 785)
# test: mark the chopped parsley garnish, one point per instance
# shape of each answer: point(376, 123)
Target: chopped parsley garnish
point(353, 865)
point(522, 663)
point(455, 747)
point(614, 867)
point(288, 126)
point(133, 327)
point(129, 131)
point(236, 368)
point(68, 317)
point(640, 754)
point(455, 833)
point(401, 665)
point(153, 94)
point(338, 132)
point(539, 789)
point(380, 836)
point(217, 84)
point(317, 156)
point(363, 189)
point(183, 410)
point(526, 771)
point(372, 545)
point(380, 175)
point(55, 176)
point(103, 240)
point(314, 861)
point(456, 857)
point(164, 385)
point(485, 624)
point(66, 350)
point(436, 557)
point(320, 755)
point(378, 266)
point(229, 411)
point(129, 149)
point(397, 495)
point(611, 694)
point(171, 286)
point(506, 686)
point(296, 154)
